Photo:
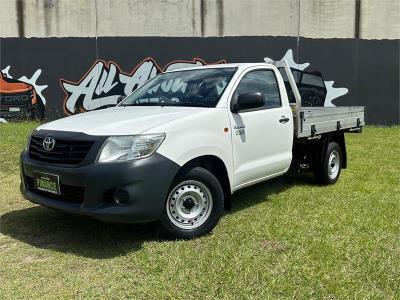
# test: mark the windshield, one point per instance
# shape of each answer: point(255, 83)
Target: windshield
point(201, 87)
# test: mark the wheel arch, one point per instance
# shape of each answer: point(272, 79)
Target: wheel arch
point(338, 137)
point(217, 167)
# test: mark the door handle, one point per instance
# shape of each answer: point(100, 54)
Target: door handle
point(283, 119)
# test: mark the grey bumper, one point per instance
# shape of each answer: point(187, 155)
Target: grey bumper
point(146, 181)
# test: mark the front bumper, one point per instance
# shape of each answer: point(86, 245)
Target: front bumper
point(147, 182)
point(24, 108)
point(22, 114)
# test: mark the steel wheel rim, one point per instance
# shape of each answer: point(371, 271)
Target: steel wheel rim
point(333, 164)
point(189, 204)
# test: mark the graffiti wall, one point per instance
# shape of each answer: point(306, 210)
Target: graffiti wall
point(105, 82)
point(55, 77)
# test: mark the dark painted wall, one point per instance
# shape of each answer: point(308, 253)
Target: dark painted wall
point(369, 69)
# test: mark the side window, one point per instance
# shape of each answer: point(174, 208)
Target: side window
point(264, 82)
point(312, 80)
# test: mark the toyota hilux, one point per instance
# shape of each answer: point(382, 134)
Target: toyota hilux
point(178, 147)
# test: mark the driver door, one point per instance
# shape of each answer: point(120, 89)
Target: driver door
point(261, 138)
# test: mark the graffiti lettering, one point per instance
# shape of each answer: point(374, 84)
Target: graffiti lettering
point(105, 82)
point(100, 80)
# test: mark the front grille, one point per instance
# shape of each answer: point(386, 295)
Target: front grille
point(69, 193)
point(15, 100)
point(64, 152)
point(9, 108)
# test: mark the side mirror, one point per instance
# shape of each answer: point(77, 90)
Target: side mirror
point(120, 98)
point(247, 101)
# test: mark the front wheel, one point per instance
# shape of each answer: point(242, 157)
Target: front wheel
point(328, 171)
point(37, 112)
point(194, 205)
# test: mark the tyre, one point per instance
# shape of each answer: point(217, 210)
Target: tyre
point(329, 170)
point(194, 205)
point(37, 112)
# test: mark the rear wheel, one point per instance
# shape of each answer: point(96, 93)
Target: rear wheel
point(328, 171)
point(194, 205)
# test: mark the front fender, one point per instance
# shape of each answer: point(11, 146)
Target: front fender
point(203, 134)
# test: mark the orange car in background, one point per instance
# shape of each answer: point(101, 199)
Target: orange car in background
point(19, 100)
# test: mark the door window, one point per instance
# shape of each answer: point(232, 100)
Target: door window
point(264, 82)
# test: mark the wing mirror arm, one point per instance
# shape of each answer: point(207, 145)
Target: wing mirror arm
point(120, 98)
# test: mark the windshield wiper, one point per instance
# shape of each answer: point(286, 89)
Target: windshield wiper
point(142, 104)
point(189, 104)
point(163, 101)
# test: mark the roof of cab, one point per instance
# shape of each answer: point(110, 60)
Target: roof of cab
point(219, 66)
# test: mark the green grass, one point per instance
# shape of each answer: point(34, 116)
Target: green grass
point(286, 238)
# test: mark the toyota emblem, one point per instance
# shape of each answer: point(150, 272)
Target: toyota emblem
point(49, 143)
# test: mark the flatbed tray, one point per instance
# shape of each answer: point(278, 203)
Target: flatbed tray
point(318, 120)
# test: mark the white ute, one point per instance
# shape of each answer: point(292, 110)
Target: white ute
point(180, 145)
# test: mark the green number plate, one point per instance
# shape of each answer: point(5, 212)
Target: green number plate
point(47, 182)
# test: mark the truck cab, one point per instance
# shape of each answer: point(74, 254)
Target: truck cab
point(180, 145)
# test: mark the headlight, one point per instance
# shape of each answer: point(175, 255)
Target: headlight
point(123, 148)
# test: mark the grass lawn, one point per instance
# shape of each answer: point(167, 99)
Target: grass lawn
point(286, 238)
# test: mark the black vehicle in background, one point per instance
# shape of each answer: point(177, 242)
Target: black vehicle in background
point(311, 87)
